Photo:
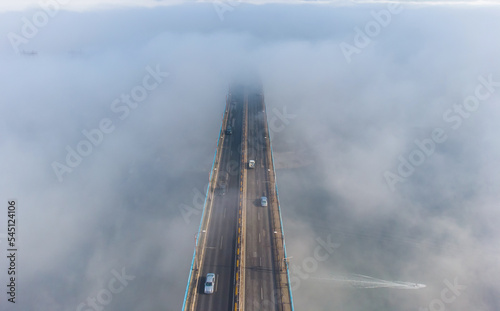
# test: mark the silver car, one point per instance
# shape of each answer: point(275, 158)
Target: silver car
point(263, 201)
point(210, 283)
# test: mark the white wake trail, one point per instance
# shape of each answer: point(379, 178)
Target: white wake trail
point(363, 281)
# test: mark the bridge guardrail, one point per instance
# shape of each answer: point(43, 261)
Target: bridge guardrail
point(281, 260)
point(189, 296)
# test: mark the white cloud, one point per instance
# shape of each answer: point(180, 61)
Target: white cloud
point(119, 208)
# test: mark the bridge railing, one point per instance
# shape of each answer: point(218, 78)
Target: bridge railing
point(193, 278)
point(281, 263)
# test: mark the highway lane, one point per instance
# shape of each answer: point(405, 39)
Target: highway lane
point(219, 254)
point(260, 285)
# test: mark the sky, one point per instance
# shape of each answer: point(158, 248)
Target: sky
point(85, 5)
point(385, 122)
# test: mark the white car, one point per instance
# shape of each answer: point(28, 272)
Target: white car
point(210, 283)
point(263, 201)
point(251, 164)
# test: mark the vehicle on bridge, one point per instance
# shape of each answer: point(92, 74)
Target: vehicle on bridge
point(210, 283)
point(263, 201)
point(229, 130)
point(251, 164)
point(222, 190)
point(222, 182)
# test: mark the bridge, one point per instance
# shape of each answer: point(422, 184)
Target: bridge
point(240, 239)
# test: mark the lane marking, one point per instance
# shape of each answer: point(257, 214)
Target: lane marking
point(221, 239)
point(217, 282)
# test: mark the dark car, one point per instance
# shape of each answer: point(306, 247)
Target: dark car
point(221, 190)
point(222, 183)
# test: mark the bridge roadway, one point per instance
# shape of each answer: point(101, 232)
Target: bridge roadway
point(262, 283)
point(219, 247)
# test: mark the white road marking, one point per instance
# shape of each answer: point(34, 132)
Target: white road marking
point(216, 281)
point(261, 294)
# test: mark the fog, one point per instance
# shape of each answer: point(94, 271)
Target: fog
point(384, 139)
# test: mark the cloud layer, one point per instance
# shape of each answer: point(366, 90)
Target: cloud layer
point(354, 118)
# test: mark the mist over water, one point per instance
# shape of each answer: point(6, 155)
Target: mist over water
point(340, 122)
